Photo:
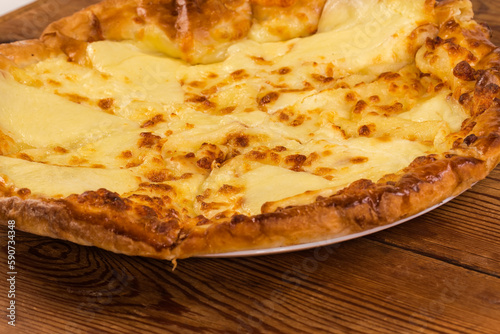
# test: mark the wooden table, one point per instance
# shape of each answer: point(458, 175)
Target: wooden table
point(439, 273)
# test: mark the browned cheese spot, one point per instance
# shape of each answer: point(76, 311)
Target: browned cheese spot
point(133, 164)
point(24, 192)
point(60, 150)
point(227, 110)
point(324, 171)
point(157, 175)
point(298, 121)
point(350, 97)
point(439, 87)
point(209, 206)
point(126, 154)
point(261, 61)
point(106, 104)
point(210, 91)
point(284, 70)
point(148, 140)
point(342, 85)
point(201, 220)
point(75, 160)
point(24, 156)
point(239, 75)
point(227, 189)
point(296, 161)
point(157, 187)
point(279, 149)
point(311, 158)
point(359, 160)
point(283, 116)
point(209, 156)
point(464, 71)
point(366, 130)
point(359, 107)
point(237, 140)
point(202, 101)
point(75, 98)
point(322, 78)
point(393, 109)
point(389, 76)
point(256, 155)
point(268, 98)
point(197, 84)
point(54, 83)
point(153, 121)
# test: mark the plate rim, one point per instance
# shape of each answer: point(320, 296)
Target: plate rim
point(321, 243)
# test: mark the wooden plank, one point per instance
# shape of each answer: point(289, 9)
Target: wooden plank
point(466, 231)
point(353, 287)
point(487, 11)
point(29, 22)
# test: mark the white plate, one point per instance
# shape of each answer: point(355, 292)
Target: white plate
point(293, 248)
point(7, 6)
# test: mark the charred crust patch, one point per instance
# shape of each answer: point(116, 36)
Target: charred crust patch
point(103, 198)
point(238, 219)
point(470, 139)
point(24, 192)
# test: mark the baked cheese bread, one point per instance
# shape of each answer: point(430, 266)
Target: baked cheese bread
point(173, 129)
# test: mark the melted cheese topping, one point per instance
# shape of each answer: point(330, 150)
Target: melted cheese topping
point(272, 122)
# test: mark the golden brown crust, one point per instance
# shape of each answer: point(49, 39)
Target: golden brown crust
point(196, 31)
point(124, 225)
point(24, 53)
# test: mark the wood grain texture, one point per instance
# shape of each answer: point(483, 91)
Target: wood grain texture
point(465, 232)
point(360, 286)
point(29, 22)
point(439, 273)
